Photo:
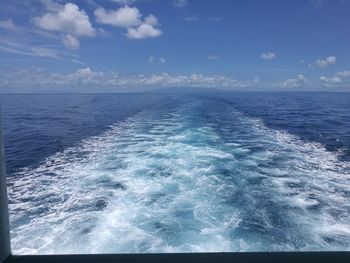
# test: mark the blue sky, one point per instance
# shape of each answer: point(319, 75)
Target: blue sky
point(133, 45)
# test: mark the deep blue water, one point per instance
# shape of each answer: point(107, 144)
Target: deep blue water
point(131, 173)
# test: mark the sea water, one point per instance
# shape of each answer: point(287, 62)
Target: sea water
point(146, 173)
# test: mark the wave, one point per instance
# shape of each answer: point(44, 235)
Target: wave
point(191, 178)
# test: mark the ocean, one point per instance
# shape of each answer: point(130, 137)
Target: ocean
point(147, 173)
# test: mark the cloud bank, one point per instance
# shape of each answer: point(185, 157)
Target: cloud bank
point(86, 77)
point(98, 81)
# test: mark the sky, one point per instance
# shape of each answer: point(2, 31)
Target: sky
point(138, 45)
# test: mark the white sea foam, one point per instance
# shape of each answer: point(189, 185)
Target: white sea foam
point(159, 182)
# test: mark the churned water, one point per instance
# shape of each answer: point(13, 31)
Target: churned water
point(143, 173)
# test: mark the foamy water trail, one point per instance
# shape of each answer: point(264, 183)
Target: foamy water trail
point(197, 177)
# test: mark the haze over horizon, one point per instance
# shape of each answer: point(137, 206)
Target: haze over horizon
point(139, 45)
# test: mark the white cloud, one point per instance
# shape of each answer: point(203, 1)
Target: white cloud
point(41, 51)
point(331, 60)
point(214, 19)
point(50, 5)
point(85, 75)
point(32, 51)
point(71, 42)
point(324, 63)
point(77, 61)
point(151, 20)
point(335, 80)
point(123, 17)
point(318, 3)
point(297, 82)
point(68, 20)
point(191, 18)
point(330, 82)
point(8, 25)
point(268, 55)
point(179, 3)
point(151, 59)
point(131, 19)
point(162, 60)
point(143, 31)
point(343, 74)
point(321, 3)
point(213, 57)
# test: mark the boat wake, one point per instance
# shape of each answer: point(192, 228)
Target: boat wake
point(193, 177)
